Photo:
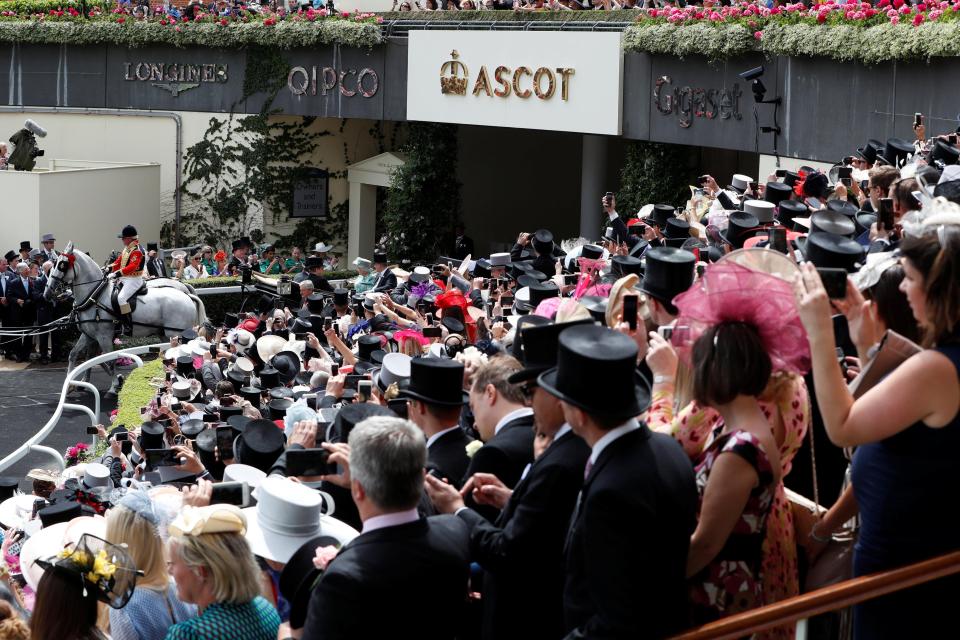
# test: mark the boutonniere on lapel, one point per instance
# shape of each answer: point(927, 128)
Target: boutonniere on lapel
point(473, 447)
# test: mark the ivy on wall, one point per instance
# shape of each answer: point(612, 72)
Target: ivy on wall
point(423, 202)
point(653, 173)
point(245, 168)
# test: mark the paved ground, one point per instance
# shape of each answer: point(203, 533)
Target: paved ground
point(28, 399)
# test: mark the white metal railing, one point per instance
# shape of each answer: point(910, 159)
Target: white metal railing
point(33, 443)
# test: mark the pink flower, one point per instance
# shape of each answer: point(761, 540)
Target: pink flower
point(917, 19)
point(921, 7)
point(821, 17)
point(325, 556)
point(895, 20)
point(758, 34)
point(345, 14)
point(379, 20)
point(933, 15)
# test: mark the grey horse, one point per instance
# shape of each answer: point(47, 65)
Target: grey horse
point(167, 308)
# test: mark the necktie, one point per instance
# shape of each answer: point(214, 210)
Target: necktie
point(586, 470)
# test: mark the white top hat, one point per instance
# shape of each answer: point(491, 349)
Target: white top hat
point(499, 259)
point(96, 475)
point(740, 181)
point(244, 364)
point(287, 515)
point(243, 473)
point(16, 510)
point(760, 208)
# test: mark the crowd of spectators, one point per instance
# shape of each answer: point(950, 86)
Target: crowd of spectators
point(573, 439)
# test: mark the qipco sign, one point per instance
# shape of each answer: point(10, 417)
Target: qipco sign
point(317, 80)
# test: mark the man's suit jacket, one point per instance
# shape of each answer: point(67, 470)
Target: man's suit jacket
point(522, 554)
point(386, 281)
point(546, 265)
point(627, 547)
point(156, 268)
point(26, 315)
point(408, 580)
point(506, 455)
point(448, 455)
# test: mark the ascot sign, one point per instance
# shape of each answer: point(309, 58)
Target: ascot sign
point(538, 80)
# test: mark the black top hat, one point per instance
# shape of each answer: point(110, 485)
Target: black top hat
point(152, 246)
point(542, 291)
point(251, 395)
point(790, 178)
point(453, 325)
point(151, 435)
point(192, 428)
point(206, 443)
point(539, 351)
point(299, 576)
point(516, 349)
point(350, 415)
point(896, 151)
point(597, 306)
point(287, 364)
point(281, 392)
point(660, 214)
point(842, 206)
point(827, 250)
point(543, 241)
point(870, 151)
point(677, 232)
point(269, 378)
point(596, 371)
point(944, 152)
point(740, 226)
point(10, 255)
point(341, 297)
point(832, 222)
point(228, 412)
point(237, 244)
point(623, 265)
point(816, 185)
point(669, 273)
point(238, 378)
point(260, 444)
point(238, 423)
point(776, 192)
point(245, 241)
point(380, 258)
point(864, 220)
point(315, 303)
point(482, 268)
point(185, 365)
point(8, 485)
point(128, 231)
point(59, 512)
point(231, 320)
point(366, 345)
point(313, 262)
point(436, 381)
point(527, 280)
point(25, 246)
point(278, 408)
point(790, 209)
point(591, 251)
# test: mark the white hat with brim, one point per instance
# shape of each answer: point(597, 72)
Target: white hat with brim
point(286, 516)
point(16, 510)
point(269, 346)
point(243, 473)
point(322, 247)
point(51, 540)
point(362, 262)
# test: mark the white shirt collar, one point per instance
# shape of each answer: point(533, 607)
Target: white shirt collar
point(437, 435)
point(390, 520)
point(610, 436)
point(564, 430)
point(522, 412)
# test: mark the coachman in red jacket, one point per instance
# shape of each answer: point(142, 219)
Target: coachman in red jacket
point(128, 267)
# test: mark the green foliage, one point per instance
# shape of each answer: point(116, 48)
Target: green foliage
point(716, 42)
point(653, 173)
point(137, 393)
point(423, 202)
point(134, 33)
point(28, 7)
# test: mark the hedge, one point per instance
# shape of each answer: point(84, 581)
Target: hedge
point(137, 393)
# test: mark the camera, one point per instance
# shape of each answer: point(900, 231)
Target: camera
point(752, 74)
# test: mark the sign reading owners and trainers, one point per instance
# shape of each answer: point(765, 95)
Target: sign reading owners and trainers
point(531, 80)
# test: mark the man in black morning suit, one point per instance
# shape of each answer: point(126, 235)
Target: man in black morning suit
point(505, 425)
point(629, 537)
point(522, 553)
point(435, 398)
point(404, 576)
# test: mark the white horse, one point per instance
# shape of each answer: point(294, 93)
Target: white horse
point(167, 308)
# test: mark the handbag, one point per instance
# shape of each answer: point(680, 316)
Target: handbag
point(891, 353)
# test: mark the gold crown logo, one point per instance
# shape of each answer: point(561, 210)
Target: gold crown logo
point(451, 81)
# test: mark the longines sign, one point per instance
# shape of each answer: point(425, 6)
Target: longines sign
point(534, 80)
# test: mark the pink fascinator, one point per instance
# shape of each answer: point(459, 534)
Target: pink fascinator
point(408, 334)
point(729, 292)
point(548, 308)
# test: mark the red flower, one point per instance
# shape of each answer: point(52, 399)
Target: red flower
point(223, 22)
point(121, 20)
point(917, 19)
point(821, 18)
point(798, 187)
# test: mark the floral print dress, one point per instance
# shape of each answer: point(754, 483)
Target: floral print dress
point(693, 426)
point(731, 583)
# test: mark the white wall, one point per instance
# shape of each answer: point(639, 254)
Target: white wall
point(86, 206)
